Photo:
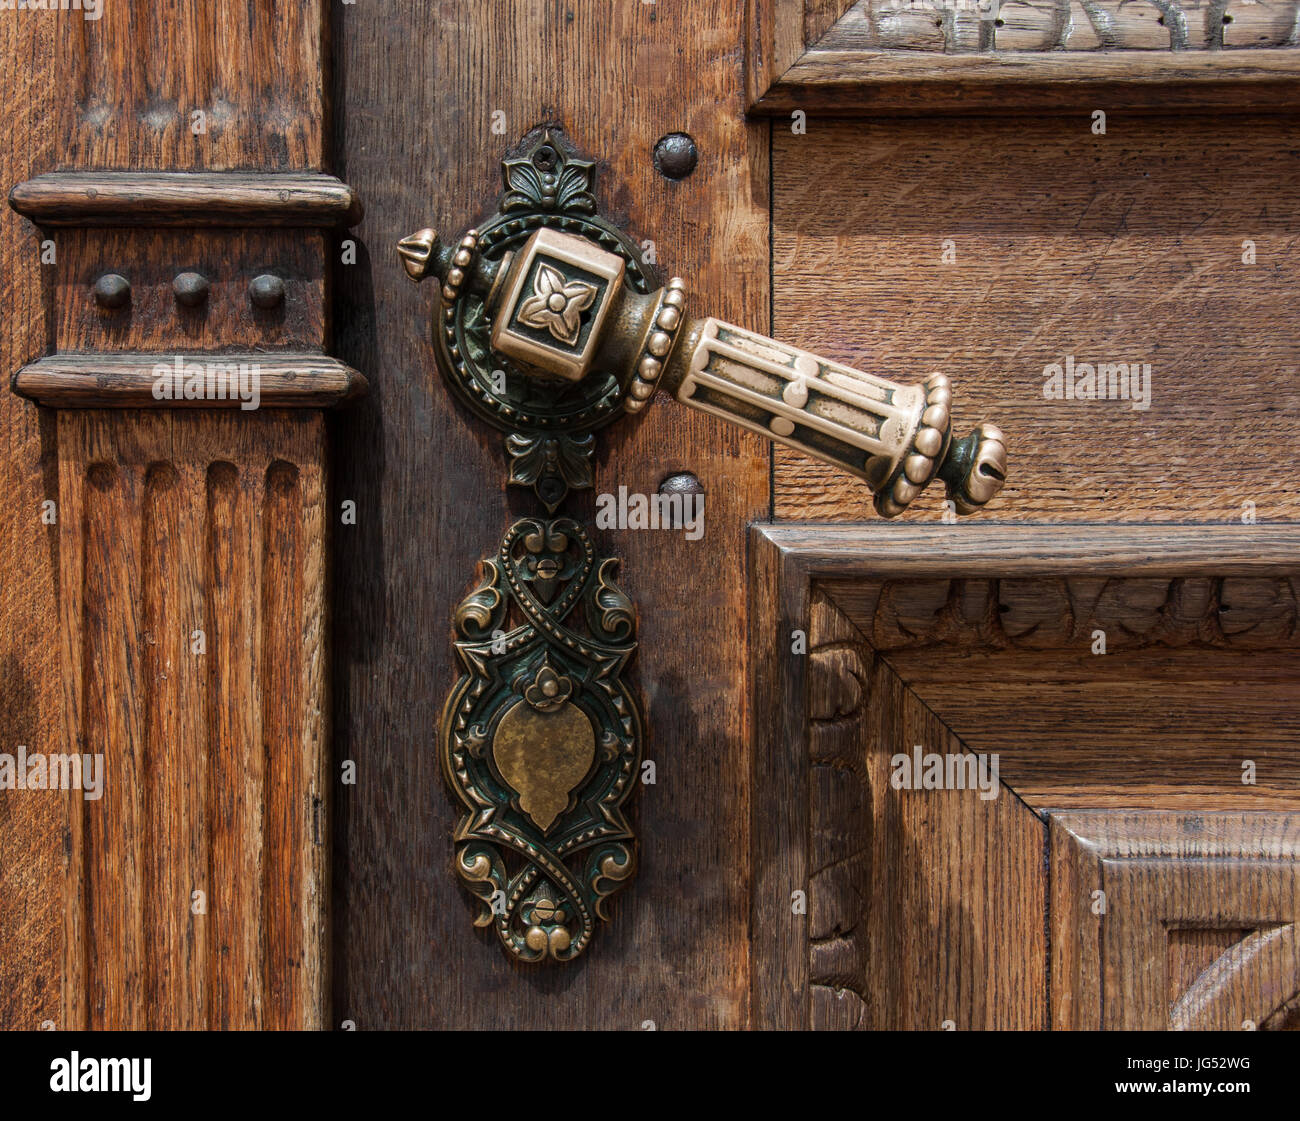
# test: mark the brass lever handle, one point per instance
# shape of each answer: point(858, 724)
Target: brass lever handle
point(559, 306)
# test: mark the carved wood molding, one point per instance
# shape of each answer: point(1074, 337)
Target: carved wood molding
point(160, 304)
point(223, 380)
point(919, 56)
point(184, 198)
point(1062, 612)
point(878, 608)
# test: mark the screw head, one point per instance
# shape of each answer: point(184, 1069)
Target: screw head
point(112, 291)
point(266, 291)
point(191, 289)
point(683, 483)
point(676, 155)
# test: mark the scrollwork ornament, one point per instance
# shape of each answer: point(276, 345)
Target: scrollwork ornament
point(541, 740)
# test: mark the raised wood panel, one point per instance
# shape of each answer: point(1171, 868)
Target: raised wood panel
point(132, 79)
point(1126, 247)
point(925, 906)
point(428, 481)
point(1177, 891)
point(192, 613)
point(962, 640)
point(32, 823)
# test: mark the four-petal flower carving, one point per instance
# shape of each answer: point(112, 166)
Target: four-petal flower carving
point(555, 305)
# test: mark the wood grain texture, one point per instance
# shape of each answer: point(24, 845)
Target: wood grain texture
point(128, 381)
point(177, 526)
point(780, 605)
point(183, 198)
point(428, 483)
point(134, 79)
point(1121, 960)
point(1196, 678)
point(33, 824)
point(192, 608)
point(775, 38)
point(1126, 248)
point(942, 919)
point(923, 56)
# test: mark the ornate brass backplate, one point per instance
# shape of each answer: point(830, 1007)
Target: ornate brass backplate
point(550, 325)
point(549, 421)
point(541, 740)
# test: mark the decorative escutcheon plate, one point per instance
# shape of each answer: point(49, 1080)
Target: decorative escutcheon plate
point(549, 422)
point(541, 740)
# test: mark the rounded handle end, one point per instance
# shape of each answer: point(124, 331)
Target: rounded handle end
point(975, 468)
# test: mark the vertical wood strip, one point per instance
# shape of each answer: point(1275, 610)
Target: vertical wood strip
point(115, 696)
point(237, 766)
point(313, 878)
point(72, 589)
point(176, 751)
point(34, 825)
point(285, 823)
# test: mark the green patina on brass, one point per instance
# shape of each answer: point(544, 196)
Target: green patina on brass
point(548, 421)
point(541, 740)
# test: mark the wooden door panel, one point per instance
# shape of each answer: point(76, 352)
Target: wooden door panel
point(418, 141)
point(991, 249)
point(925, 911)
point(927, 905)
point(901, 211)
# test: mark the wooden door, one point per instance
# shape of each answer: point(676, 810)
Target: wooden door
point(902, 188)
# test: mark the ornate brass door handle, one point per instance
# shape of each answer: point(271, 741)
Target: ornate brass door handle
point(561, 307)
point(550, 325)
